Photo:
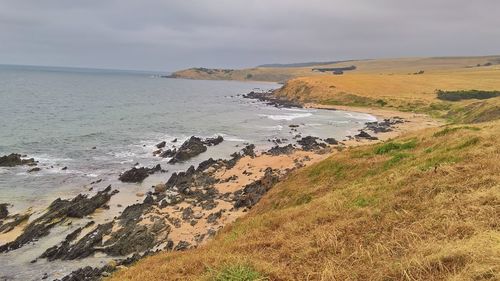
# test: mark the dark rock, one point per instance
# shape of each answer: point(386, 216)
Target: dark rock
point(82, 249)
point(213, 141)
point(209, 204)
point(161, 144)
point(279, 150)
point(206, 164)
point(4, 212)
point(331, 141)
point(174, 140)
point(213, 217)
point(168, 153)
point(182, 246)
point(14, 159)
point(14, 221)
point(57, 212)
point(36, 169)
point(138, 174)
point(187, 213)
point(364, 135)
point(64, 168)
point(249, 150)
point(310, 143)
point(252, 192)
point(384, 126)
point(190, 148)
point(270, 99)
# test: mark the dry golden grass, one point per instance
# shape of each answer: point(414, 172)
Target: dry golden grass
point(402, 92)
point(423, 207)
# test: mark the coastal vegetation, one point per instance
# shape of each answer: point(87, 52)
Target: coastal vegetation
point(420, 206)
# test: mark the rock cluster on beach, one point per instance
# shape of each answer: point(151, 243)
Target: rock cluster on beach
point(15, 159)
point(58, 211)
point(138, 174)
point(192, 147)
point(270, 99)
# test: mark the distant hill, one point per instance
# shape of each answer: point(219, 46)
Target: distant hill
point(301, 64)
point(285, 72)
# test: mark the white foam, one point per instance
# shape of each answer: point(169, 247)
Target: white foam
point(47, 159)
point(273, 128)
point(361, 116)
point(234, 139)
point(287, 117)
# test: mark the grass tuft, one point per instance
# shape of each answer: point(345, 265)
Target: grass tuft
point(395, 146)
point(236, 272)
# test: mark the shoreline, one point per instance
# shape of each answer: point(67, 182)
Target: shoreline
point(191, 224)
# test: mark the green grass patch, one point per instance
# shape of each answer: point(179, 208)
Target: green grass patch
point(237, 272)
point(449, 130)
point(327, 168)
point(395, 146)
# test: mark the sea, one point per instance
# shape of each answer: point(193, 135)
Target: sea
point(88, 125)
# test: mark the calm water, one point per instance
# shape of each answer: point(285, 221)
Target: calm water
point(58, 115)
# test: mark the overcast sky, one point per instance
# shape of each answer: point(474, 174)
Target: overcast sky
point(169, 35)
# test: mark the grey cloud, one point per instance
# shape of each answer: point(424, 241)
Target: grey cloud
point(168, 35)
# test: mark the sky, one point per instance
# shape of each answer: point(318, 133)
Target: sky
point(167, 35)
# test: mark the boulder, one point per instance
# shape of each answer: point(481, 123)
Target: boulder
point(364, 135)
point(331, 141)
point(161, 144)
point(189, 149)
point(213, 141)
point(4, 212)
point(310, 143)
point(279, 150)
point(14, 159)
point(138, 174)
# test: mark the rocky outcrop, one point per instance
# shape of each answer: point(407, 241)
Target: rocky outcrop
point(310, 143)
point(364, 135)
point(161, 144)
point(251, 193)
point(10, 222)
point(384, 126)
point(213, 141)
point(270, 99)
point(97, 273)
point(280, 150)
point(14, 159)
point(138, 174)
point(192, 147)
point(58, 211)
point(4, 212)
point(189, 149)
point(331, 141)
point(129, 236)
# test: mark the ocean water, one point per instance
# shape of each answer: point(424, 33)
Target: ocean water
point(58, 116)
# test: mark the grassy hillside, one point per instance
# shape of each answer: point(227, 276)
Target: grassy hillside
point(378, 66)
point(422, 207)
point(402, 92)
